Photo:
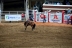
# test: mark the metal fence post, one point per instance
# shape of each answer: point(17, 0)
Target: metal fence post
point(9, 14)
point(0, 16)
point(27, 10)
point(17, 12)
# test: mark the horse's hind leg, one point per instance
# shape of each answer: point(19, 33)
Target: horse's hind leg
point(32, 28)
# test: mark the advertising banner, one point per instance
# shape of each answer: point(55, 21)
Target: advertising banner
point(66, 17)
point(40, 16)
point(12, 17)
point(55, 17)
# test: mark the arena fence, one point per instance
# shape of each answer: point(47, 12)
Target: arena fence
point(56, 17)
point(7, 16)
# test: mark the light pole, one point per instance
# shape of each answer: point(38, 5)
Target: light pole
point(27, 10)
point(0, 11)
point(0, 16)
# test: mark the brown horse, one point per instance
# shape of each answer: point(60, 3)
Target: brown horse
point(29, 23)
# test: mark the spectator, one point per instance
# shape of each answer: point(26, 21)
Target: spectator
point(68, 11)
point(44, 19)
point(71, 20)
point(68, 18)
point(23, 16)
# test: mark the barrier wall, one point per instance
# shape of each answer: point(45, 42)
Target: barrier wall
point(65, 17)
point(12, 17)
point(39, 16)
point(56, 17)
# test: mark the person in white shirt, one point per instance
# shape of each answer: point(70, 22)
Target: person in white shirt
point(68, 11)
point(68, 18)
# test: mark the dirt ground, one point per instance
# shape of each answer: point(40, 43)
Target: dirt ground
point(45, 35)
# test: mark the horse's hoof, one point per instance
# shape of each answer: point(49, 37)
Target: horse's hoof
point(32, 30)
point(25, 28)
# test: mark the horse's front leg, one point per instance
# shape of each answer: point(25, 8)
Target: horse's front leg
point(32, 28)
point(25, 27)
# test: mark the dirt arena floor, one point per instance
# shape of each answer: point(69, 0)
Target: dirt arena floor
point(45, 35)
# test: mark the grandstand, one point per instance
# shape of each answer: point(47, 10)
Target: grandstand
point(19, 5)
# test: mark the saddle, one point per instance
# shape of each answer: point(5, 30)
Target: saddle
point(29, 22)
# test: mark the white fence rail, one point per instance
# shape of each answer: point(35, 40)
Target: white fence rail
point(12, 12)
point(3, 13)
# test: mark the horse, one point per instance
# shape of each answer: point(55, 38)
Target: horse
point(29, 23)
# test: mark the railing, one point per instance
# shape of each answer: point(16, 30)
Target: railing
point(12, 12)
point(3, 13)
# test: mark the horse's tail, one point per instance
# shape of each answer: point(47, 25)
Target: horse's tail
point(34, 26)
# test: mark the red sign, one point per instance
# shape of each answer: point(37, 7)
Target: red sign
point(55, 17)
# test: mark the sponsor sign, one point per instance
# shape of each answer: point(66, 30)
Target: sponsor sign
point(66, 16)
point(55, 17)
point(12, 17)
point(39, 17)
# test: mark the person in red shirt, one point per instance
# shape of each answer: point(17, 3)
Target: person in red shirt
point(23, 16)
point(71, 20)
